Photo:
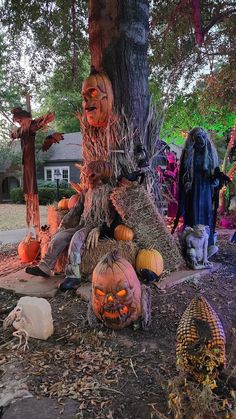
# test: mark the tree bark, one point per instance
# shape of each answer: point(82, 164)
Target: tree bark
point(118, 34)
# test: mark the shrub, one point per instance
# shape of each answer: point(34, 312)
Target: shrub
point(52, 184)
point(46, 195)
point(17, 195)
point(49, 195)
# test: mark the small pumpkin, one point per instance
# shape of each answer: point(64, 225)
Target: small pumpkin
point(28, 249)
point(149, 259)
point(73, 201)
point(124, 233)
point(116, 292)
point(63, 204)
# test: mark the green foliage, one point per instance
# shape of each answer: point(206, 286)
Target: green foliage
point(45, 32)
point(17, 196)
point(176, 59)
point(51, 184)
point(46, 195)
point(62, 94)
point(9, 96)
point(186, 113)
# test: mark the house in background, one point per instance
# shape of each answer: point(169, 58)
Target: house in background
point(63, 157)
point(10, 173)
point(10, 178)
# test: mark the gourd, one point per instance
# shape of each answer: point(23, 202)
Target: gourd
point(28, 249)
point(63, 204)
point(151, 260)
point(124, 233)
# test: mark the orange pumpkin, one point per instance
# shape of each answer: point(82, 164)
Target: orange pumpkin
point(149, 259)
point(97, 97)
point(124, 233)
point(28, 249)
point(73, 201)
point(63, 204)
point(116, 292)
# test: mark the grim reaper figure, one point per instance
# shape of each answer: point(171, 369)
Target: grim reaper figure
point(199, 183)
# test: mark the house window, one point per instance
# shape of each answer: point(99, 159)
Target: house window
point(49, 173)
point(65, 174)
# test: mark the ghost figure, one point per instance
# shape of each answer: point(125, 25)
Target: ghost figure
point(198, 182)
point(97, 97)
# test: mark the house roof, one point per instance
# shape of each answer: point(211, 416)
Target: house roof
point(69, 149)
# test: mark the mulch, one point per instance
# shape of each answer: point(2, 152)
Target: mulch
point(126, 373)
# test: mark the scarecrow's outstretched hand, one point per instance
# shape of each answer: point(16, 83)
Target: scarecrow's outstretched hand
point(54, 138)
point(92, 239)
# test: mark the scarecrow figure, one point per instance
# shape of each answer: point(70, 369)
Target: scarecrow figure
point(27, 133)
point(92, 218)
point(198, 183)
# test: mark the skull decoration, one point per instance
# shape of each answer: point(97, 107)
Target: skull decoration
point(98, 172)
point(116, 292)
point(97, 99)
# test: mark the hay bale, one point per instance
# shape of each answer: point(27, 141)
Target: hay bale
point(127, 250)
point(54, 217)
point(137, 210)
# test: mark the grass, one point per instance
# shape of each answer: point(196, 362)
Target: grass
point(12, 216)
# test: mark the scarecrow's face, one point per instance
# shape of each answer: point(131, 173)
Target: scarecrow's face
point(93, 177)
point(23, 121)
point(97, 99)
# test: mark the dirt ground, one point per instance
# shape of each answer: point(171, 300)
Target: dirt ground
point(12, 216)
point(128, 373)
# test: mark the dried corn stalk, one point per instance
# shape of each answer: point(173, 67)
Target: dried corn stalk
point(200, 342)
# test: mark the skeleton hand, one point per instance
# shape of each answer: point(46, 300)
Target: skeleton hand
point(92, 239)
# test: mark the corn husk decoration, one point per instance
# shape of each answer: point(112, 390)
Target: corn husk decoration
point(200, 347)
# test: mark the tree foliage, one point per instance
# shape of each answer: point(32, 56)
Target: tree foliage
point(176, 58)
point(62, 94)
point(48, 33)
point(191, 45)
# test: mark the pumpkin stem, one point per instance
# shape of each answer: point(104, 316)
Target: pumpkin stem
point(110, 258)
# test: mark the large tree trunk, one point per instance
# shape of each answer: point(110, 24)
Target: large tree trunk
point(118, 34)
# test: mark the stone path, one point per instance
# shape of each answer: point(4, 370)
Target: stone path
point(35, 286)
point(181, 276)
point(13, 236)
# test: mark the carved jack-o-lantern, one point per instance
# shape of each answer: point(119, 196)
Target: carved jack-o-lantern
point(97, 99)
point(116, 292)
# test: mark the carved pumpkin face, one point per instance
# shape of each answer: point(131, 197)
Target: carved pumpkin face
point(116, 292)
point(97, 99)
